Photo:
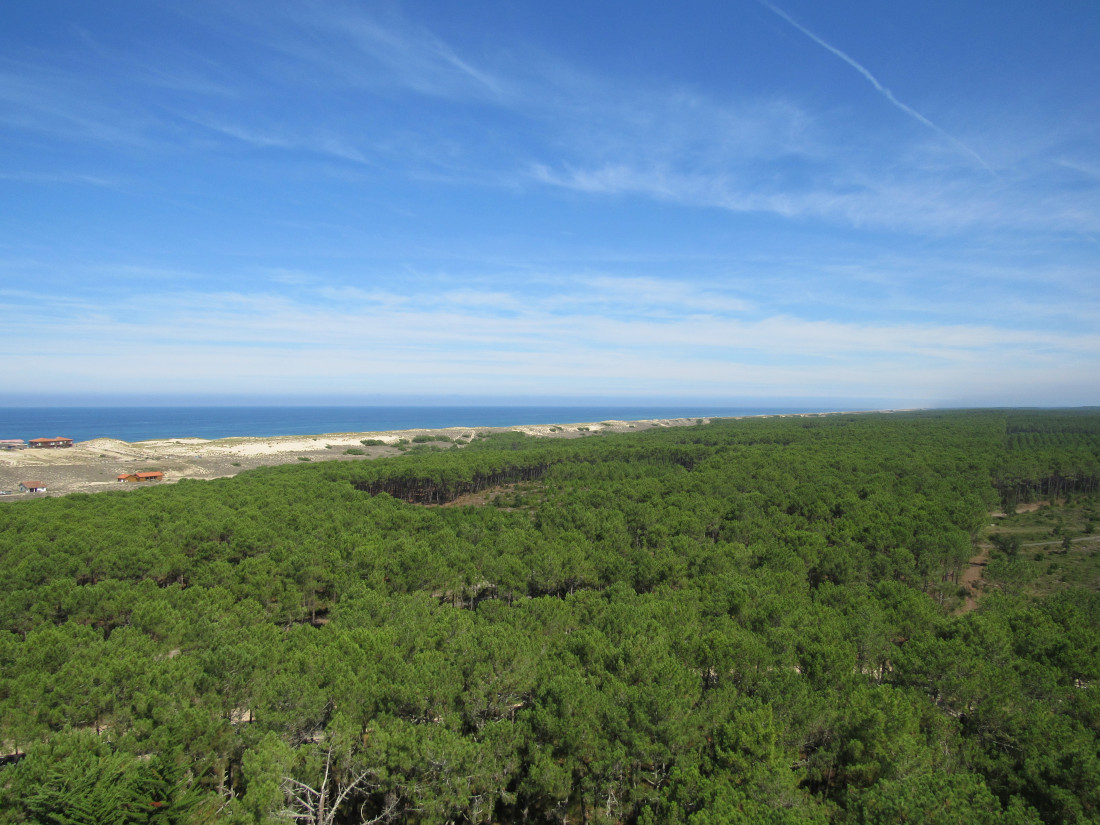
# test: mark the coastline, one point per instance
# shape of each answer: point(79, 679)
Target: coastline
point(94, 466)
point(137, 423)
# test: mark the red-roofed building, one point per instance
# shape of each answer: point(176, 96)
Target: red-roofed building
point(150, 476)
point(32, 486)
point(46, 443)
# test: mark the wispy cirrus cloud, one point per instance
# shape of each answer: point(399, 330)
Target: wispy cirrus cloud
point(853, 197)
point(471, 319)
point(565, 128)
point(280, 137)
point(222, 331)
point(414, 56)
point(61, 178)
point(1090, 171)
point(60, 105)
point(359, 48)
point(654, 296)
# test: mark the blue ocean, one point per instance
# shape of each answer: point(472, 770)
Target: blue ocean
point(141, 423)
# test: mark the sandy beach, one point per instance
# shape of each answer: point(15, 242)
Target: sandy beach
point(94, 466)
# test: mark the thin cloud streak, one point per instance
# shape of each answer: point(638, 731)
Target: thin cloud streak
point(909, 110)
point(47, 105)
point(323, 145)
point(410, 57)
point(61, 178)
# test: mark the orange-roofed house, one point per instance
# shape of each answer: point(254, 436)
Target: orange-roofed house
point(48, 443)
point(150, 476)
point(32, 486)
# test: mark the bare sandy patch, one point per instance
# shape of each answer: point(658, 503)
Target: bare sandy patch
point(94, 466)
point(972, 578)
point(1031, 506)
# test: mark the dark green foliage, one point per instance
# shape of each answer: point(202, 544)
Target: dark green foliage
point(80, 779)
point(1048, 455)
point(746, 621)
point(1006, 543)
point(938, 799)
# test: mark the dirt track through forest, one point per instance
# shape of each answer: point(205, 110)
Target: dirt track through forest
point(972, 577)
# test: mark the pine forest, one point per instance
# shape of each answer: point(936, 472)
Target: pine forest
point(850, 618)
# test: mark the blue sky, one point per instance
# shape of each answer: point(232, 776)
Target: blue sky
point(883, 204)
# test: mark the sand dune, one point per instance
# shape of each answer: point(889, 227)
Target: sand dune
point(90, 466)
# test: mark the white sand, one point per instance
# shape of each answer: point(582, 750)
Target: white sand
point(94, 465)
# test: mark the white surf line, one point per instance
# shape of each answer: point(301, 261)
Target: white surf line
point(909, 110)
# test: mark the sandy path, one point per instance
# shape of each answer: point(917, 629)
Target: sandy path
point(972, 577)
point(1058, 541)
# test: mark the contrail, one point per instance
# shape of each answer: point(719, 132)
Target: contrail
point(913, 113)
